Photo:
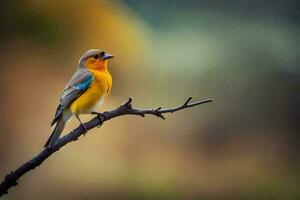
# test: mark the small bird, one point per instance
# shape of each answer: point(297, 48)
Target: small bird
point(88, 87)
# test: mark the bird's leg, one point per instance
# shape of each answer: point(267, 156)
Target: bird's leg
point(101, 117)
point(82, 125)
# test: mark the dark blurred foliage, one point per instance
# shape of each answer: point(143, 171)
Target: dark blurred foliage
point(20, 20)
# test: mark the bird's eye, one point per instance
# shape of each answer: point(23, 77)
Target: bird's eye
point(102, 54)
point(96, 56)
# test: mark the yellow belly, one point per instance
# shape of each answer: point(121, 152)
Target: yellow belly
point(94, 95)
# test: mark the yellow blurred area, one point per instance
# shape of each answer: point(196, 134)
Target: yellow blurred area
point(241, 146)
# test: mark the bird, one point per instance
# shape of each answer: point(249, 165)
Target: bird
point(87, 89)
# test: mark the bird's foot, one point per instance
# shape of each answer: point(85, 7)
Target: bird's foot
point(101, 117)
point(84, 128)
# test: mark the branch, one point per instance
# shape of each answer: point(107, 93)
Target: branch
point(10, 179)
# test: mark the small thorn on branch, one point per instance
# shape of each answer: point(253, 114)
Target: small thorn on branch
point(159, 114)
point(127, 104)
point(187, 101)
point(157, 109)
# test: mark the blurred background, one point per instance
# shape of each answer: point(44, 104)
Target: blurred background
point(243, 54)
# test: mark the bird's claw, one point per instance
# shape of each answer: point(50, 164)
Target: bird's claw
point(101, 117)
point(84, 128)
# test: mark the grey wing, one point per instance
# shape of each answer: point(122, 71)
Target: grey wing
point(78, 84)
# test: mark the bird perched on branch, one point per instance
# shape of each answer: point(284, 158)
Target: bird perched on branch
point(87, 88)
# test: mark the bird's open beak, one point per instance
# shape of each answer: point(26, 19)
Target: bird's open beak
point(107, 56)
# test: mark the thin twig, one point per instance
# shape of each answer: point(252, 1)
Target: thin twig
point(10, 179)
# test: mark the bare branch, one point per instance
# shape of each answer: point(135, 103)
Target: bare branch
point(10, 179)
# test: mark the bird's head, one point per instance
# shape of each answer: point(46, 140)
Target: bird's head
point(95, 59)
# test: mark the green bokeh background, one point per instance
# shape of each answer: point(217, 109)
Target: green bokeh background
point(243, 54)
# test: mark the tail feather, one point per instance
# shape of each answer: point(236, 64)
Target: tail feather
point(59, 127)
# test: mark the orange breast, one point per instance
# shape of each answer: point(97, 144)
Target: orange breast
point(95, 94)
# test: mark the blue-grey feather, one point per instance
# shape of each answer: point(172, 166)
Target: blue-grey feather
point(84, 85)
point(78, 84)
